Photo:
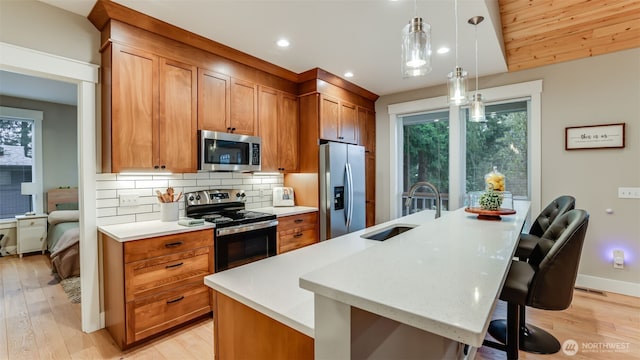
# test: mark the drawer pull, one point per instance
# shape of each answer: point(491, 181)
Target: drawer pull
point(173, 244)
point(175, 300)
point(297, 235)
point(174, 265)
point(298, 221)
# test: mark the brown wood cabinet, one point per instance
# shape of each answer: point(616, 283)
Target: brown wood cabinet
point(244, 107)
point(154, 284)
point(296, 231)
point(150, 108)
point(367, 138)
point(241, 332)
point(338, 120)
point(214, 101)
point(278, 125)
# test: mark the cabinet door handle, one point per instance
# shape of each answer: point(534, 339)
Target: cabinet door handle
point(174, 265)
point(298, 221)
point(175, 300)
point(297, 235)
point(173, 244)
point(156, 167)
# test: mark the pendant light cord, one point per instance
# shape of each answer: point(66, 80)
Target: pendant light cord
point(476, 35)
point(455, 10)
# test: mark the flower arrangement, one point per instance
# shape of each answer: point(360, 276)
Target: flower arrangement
point(491, 200)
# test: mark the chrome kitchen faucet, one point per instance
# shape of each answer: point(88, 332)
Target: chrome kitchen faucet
point(413, 190)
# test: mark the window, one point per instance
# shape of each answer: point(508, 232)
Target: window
point(19, 162)
point(499, 142)
point(426, 156)
point(510, 140)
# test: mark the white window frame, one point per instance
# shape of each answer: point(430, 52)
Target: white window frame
point(36, 176)
point(530, 89)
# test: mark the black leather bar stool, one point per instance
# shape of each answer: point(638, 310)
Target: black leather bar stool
point(557, 207)
point(538, 340)
point(546, 281)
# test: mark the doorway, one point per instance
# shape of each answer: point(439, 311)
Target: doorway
point(85, 76)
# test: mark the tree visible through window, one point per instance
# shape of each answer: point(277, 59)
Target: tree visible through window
point(16, 165)
point(500, 142)
point(426, 155)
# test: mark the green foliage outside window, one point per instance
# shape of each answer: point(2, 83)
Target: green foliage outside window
point(501, 142)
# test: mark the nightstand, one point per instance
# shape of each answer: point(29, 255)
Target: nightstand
point(31, 233)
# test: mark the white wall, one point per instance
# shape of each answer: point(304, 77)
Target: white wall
point(36, 25)
point(597, 90)
point(258, 190)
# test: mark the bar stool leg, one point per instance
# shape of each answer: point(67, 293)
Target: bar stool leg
point(532, 338)
point(513, 330)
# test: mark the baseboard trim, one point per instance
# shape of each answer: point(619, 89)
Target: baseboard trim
point(608, 285)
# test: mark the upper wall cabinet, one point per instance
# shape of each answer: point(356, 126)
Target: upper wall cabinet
point(149, 112)
point(213, 101)
point(338, 120)
point(226, 104)
point(367, 129)
point(278, 124)
point(244, 107)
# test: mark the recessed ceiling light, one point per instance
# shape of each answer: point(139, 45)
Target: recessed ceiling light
point(283, 43)
point(443, 50)
point(348, 74)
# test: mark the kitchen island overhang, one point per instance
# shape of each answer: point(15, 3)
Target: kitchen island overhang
point(349, 269)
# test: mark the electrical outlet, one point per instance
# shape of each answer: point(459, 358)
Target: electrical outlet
point(618, 259)
point(629, 193)
point(129, 199)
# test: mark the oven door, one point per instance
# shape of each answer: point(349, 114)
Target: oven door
point(242, 244)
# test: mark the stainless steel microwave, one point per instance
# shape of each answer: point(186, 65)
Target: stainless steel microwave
point(219, 151)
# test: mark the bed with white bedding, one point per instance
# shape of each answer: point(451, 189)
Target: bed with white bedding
point(63, 235)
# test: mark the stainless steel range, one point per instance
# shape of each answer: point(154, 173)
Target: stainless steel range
point(241, 236)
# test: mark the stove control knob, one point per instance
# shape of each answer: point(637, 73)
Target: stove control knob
point(191, 198)
point(197, 197)
point(243, 195)
point(238, 195)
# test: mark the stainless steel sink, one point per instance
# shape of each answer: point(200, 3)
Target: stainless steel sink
point(388, 232)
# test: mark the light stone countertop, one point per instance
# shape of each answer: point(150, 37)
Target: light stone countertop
point(280, 211)
point(146, 229)
point(270, 286)
point(443, 277)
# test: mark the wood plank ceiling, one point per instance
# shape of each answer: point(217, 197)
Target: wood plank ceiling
point(543, 32)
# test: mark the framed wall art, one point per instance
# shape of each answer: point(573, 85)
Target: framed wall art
point(594, 137)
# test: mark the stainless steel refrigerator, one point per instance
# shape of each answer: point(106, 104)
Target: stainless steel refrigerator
point(342, 189)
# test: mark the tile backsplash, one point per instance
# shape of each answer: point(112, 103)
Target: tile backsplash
point(109, 187)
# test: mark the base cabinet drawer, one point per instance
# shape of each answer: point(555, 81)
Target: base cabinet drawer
point(150, 315)
point(166, 245)
point(292, 240)
point(166, 272)
point(296, 231)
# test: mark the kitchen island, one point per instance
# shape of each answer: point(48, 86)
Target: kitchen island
point(441, 278)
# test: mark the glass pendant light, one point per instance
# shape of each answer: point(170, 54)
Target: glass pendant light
point(416, 47)
point(457, 78)
point(476, 108)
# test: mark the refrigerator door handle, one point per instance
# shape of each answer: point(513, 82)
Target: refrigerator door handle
point(350, 195)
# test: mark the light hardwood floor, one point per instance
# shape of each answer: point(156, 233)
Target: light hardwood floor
point(37, 321)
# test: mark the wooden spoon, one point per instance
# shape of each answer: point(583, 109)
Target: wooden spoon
point(160, 196)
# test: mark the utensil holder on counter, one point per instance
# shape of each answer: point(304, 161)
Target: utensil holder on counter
point(169, 211)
